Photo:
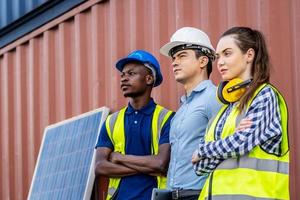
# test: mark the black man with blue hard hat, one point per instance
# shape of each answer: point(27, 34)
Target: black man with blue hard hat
point(133, 147)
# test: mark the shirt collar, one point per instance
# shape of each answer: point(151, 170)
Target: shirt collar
point(200, 87)
point(147, 109)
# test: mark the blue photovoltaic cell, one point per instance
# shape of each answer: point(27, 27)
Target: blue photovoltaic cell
point(65, 159)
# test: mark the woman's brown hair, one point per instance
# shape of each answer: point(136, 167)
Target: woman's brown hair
point(247, 38)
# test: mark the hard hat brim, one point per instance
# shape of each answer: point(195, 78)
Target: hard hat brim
point(121, 63)
point(164, 50)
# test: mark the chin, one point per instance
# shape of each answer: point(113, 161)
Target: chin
point(131, 94)
point(179, 79)
point(126, 94)
point(226, 78)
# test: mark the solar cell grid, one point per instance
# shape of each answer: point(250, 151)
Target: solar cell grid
point(64, 169)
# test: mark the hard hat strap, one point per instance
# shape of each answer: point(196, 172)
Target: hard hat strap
point(149, 66)
point(204, 50)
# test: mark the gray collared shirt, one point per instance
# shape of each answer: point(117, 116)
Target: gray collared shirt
point(187, 128)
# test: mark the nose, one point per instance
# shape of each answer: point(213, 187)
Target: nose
point(174, 62)
point(220, 62)
point(124, 78)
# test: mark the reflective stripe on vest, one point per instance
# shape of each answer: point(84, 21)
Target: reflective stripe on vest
point(255, 175)
point(256, 164)
point(238, 197)
point(116, 132)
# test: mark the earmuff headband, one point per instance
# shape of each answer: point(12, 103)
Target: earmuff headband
point(238, 86)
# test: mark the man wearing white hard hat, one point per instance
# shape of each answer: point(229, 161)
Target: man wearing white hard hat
point(192, 55)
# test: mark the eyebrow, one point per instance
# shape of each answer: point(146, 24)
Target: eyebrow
point(180, 53)
point(127, 71)
point(227, 49)
point(217, 54)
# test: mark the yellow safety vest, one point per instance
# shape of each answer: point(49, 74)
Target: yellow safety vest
point(255, 175)
point(115, 129)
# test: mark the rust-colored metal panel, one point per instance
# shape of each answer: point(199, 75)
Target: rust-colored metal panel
point(66, 67)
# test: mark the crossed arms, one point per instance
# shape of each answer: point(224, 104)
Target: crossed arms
point(115, 164)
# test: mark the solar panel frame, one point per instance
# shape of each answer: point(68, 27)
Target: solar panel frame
point(51, 166)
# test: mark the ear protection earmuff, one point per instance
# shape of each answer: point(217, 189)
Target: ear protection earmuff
point(231, 91)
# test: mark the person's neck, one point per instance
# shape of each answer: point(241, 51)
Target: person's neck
point(139, 102)
point(192, 84)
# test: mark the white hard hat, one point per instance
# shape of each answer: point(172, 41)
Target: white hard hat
point(187, 36)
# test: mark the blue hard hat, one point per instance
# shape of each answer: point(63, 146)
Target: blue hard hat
point(147, 59)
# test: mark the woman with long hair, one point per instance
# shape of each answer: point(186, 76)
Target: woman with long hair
point(245, 150)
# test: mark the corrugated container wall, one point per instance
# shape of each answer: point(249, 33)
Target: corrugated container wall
point(66, 67)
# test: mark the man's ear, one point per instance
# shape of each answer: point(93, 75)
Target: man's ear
point(203, 61)
point(149, 80)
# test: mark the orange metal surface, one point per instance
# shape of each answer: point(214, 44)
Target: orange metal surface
point(66, 67)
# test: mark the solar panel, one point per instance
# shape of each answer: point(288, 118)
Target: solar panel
point(65, 165)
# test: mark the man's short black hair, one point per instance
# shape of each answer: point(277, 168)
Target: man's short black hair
point(199, 53)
